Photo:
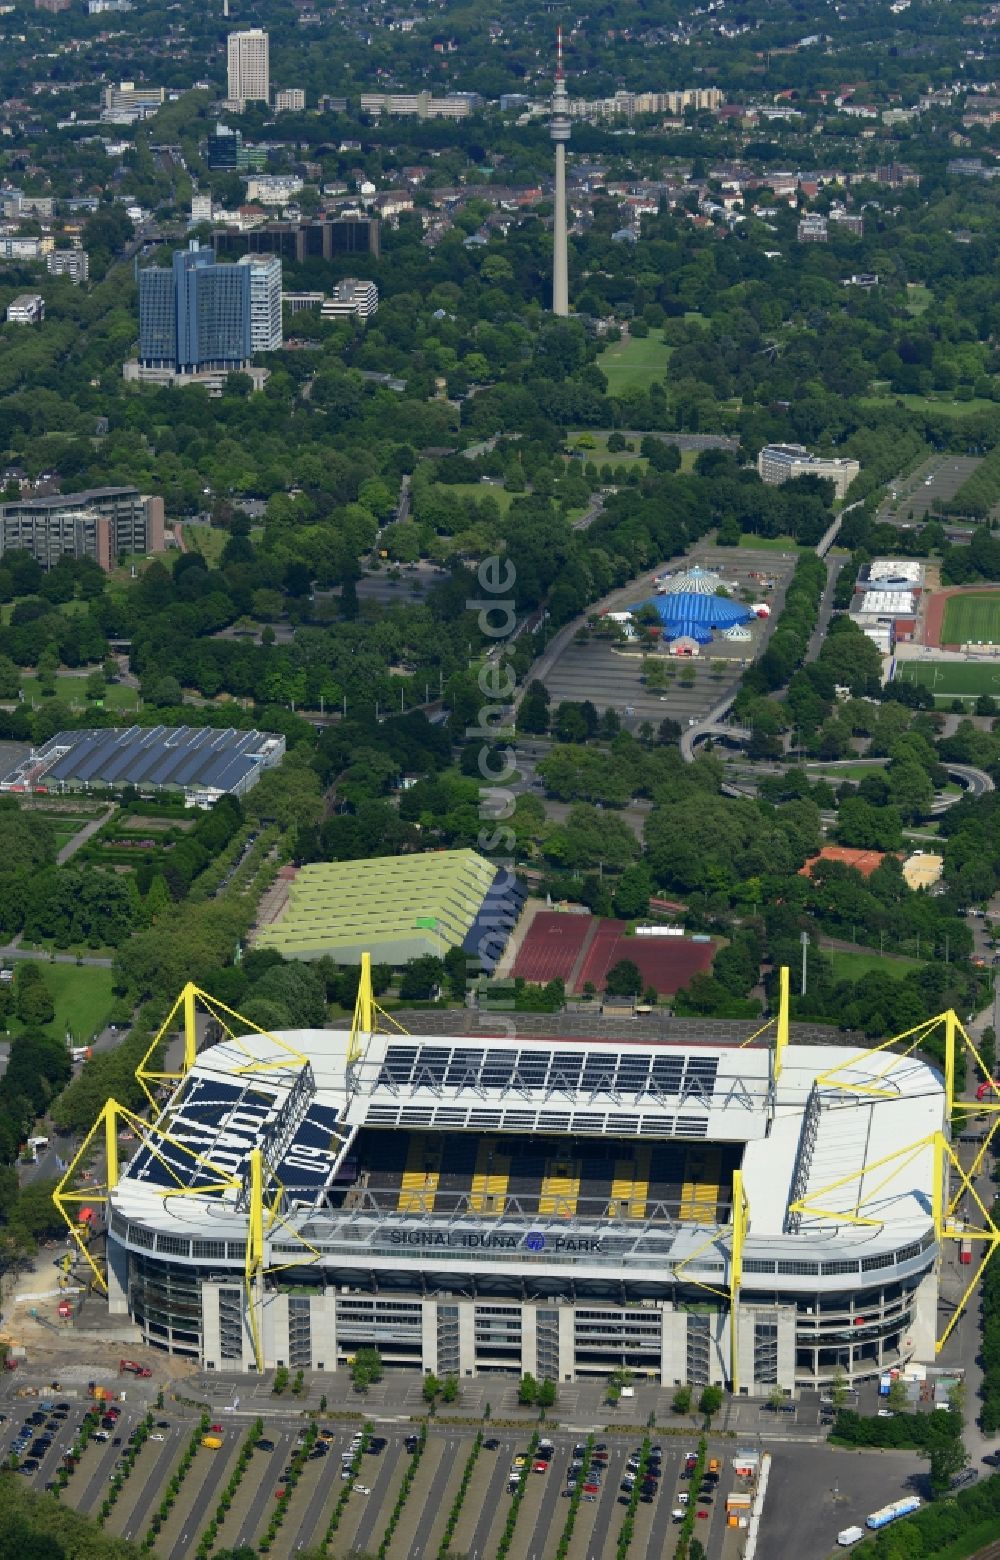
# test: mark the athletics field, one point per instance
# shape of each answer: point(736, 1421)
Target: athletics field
point(972, 618)
point(953, 679)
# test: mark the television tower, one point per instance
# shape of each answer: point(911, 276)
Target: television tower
point(559, 129)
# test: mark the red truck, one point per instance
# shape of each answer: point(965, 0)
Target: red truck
point(133, 1368)
point(965, 1252)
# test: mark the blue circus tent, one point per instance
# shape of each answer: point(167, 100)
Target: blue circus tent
point(690, 615)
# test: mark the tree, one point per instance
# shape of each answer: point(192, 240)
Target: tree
point(527, 1390)
point(681, 1400)
point(431, 1387)
point(449, 1389)
point(421, 978)
point(546, 1393)
point(947, 1457)
point(366, 1368)
point(623, 979)
point(32, 998)
point(838, 1390)
point(710, 1401)
point(897, 1399)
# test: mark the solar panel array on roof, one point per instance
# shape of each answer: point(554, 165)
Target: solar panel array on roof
point(181, 757)
point(674, 1075)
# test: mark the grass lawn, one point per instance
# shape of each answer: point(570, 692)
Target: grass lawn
point(918, 297)
point(477, 491)
point(635, 363)
point(771, 543)
point(972, 619)
point(72, 690)
point(600, 452)
point(930, 403)
point(209, 540)
point(852, 966)
point(82, 997)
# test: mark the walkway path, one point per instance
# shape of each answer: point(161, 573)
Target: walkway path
point(86, 833)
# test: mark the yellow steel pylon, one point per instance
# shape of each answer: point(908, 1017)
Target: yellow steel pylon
point(367, 1014)
point(845, 1077)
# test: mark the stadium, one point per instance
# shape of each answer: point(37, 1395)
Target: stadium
point(754, 1214)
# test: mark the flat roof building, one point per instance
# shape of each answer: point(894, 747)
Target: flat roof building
point(322, 239)
point(249, 72)
point(26, 309)
point(200, 761)
point(265, 302)
point(100, 523)
point(779, 463)
point(203, 317)
point(351, 299)
point(397, 908)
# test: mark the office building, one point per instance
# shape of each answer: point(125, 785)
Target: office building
point(273, 189)
point(351, 299)
point(290, 100)
point(194, 317)
point(420, 105)
point(295, 242)
point(265, 302)
point(21, 246)
point(812, 229)
point(124, 104)
point(69, 262)
point(249, 68)
point(101, 523)
point(26, 309)
point(779, 463)
point(228, 152)
point(297, 302)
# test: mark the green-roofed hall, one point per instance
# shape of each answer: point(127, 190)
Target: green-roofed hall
point(397, 908)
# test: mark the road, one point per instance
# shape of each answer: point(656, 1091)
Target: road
point(12, 951)
point(587, 519)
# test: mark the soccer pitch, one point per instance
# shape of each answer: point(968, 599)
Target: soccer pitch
point(953, 678)
point(972, 619)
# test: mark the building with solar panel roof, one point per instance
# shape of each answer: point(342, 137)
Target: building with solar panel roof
point(200, 762)
point(756, 1214)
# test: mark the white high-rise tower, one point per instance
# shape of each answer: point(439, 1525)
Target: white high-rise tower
point(559, 129)
point(249, 66)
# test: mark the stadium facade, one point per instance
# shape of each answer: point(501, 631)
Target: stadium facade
point(753, 1215)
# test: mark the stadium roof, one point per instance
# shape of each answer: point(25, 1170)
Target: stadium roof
point(397, 908)
point(804, 1139)
point(178, 758)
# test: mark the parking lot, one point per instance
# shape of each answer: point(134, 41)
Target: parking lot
point(611, 677)
point(938, 479)
point(372, 1489)
point(812, 1491)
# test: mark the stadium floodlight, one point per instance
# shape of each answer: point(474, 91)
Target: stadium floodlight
point(148, 1076)
point(69, 1194)
point(851, 1077)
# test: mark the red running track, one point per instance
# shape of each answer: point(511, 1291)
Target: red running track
point(665, 963)
point(552, 946)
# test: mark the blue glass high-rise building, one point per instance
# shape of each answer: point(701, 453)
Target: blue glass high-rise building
point(196, 315)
